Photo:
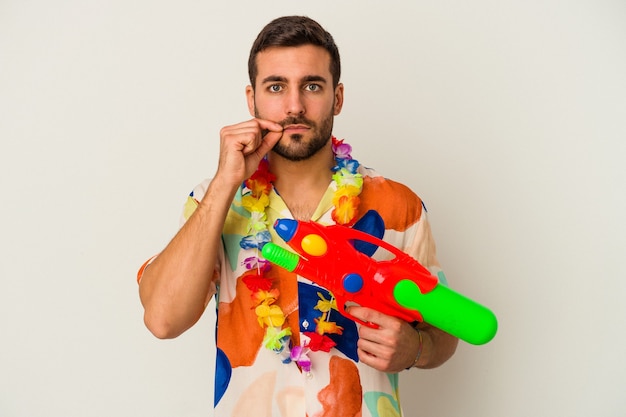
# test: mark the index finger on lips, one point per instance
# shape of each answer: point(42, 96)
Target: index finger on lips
point(269, 125)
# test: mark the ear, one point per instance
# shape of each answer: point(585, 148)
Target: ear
point(250, 100)
point(338, 99)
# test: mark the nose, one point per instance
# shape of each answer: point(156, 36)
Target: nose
point(295, 103)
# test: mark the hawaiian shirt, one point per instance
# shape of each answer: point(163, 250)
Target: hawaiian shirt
point(251, 380)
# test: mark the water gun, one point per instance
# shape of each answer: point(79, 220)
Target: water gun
point(399, 287)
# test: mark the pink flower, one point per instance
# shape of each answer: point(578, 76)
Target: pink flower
point(341, 150)
point(252, 262)
point(298, 355)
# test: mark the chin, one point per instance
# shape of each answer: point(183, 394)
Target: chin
point(298, 149)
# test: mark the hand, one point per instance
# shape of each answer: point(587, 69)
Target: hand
point(392, 347)
point(243, 145)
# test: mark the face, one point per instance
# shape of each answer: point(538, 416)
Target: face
point(294, 87)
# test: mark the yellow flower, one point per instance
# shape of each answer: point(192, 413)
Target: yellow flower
point(345, 210)
point(324, 327)
point(346, 191)
point(251, 203)
point(265, 297)
point(325, 305)
point(270, 315)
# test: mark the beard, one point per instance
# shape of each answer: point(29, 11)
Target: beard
point(296, 149)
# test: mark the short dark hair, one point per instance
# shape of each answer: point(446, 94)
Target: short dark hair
point(294, 31)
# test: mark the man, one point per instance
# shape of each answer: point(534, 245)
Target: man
point(282, 347)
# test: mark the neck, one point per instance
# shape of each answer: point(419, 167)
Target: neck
point(313, 173)
point(292, 177)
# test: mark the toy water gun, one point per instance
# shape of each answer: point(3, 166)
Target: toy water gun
point(400, 287)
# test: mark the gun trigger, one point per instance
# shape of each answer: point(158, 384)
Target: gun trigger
point(342, 309)
point(364, 323)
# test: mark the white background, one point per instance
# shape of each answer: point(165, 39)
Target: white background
point(507, 117)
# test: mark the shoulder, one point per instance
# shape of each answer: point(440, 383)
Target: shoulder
point(397, 204)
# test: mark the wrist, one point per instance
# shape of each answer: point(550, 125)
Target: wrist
point(420, 347)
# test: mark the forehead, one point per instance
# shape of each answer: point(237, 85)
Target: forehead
point(293, 62)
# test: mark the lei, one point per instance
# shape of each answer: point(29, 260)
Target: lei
point(269, 314)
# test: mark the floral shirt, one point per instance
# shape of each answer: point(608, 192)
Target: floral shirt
point(253, 381)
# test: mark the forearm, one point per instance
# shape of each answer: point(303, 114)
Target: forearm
point(176, 286)
point(437, 347)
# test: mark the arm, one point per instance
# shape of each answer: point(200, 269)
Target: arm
point(176, 287)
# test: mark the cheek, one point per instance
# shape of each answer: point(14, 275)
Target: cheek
point(268, 109)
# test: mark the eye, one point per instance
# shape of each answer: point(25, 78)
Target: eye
point(313, 87)
point(275, 88)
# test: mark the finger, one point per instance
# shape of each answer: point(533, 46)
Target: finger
point(368, 315)
point(271, 133)
point(269, 125)
point(245, 139)
point(371, 356)
point(268, 142)
point(260, 136)
point(372, 348)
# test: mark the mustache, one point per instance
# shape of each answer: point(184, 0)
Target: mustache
point(300, 120)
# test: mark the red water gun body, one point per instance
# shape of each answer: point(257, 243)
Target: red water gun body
point(399, 287)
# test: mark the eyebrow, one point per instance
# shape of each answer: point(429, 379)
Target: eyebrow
point(278, 78)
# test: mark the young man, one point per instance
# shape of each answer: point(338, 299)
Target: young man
point(282, 347)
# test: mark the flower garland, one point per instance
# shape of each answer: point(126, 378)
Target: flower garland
point(269, 314)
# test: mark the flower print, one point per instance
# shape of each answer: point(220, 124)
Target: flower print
point(256, 241)
point(349, 191)
point(324, 327)
point(344, 178)
point(341, 150)
point(261, 181)
point(349, 165)
point(258, 186)
point(345, 210)
point(256, 281)
point(298, 354)
point(319, 342)
point(270, 315)
point(276, 339)
point(257, 222)
point(253, 203)
point(255, 199)
point(265, 297)
point(252, 262)
point(325, 305)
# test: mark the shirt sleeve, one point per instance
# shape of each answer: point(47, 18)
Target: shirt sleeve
point(193, 199)
point(422, 247)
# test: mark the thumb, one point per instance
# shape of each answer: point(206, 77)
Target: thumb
point(268, 141)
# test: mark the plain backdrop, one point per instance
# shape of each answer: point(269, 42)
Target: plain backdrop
point(506, 117)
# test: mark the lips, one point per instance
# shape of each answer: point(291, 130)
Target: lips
point(299, 127)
